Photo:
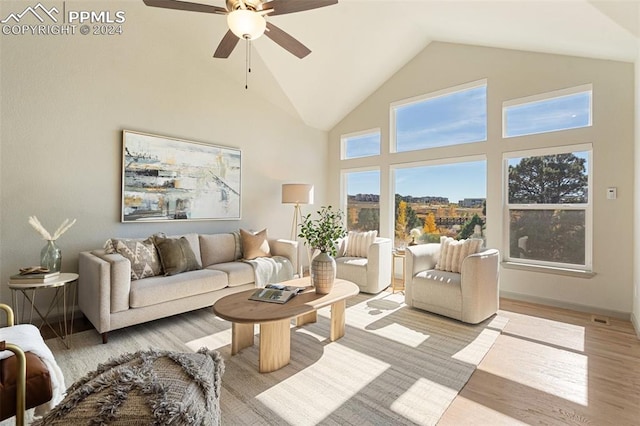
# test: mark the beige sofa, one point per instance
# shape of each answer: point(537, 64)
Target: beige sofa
point(470, 296)
point(111, 300)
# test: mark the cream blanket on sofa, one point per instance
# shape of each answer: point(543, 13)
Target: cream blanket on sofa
point(271, 270)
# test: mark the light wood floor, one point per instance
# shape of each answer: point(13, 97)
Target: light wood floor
point(549, 367)
point(553, 367)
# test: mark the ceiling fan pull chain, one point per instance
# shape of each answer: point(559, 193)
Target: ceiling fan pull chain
point(247, 61)
point(249, 53)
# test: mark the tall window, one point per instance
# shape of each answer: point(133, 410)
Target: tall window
point(362, 144)
point(363, 200)
point(439, 200)
point(548, 208)
point(453, 116)
point(548, 112)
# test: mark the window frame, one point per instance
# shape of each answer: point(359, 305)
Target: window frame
point(586, 207)
point(344, 138)
point(393, 145)
point(547, 96)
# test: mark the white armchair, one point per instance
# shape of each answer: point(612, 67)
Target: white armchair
point(470, 296)
point(372, 273)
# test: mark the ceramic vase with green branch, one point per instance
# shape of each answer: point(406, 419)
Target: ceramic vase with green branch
point(322, 234)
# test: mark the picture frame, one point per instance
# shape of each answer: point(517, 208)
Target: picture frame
point(170, 179)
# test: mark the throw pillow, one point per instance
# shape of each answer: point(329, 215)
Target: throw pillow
point(358, 243)
point(142, 255)
point(238, 249)
point(453, 252)
point(194, 243)
point(254, 245)
point(176, 255)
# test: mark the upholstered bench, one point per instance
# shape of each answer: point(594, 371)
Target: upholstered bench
point(146, 387)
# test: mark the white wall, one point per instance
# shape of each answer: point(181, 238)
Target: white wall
point(65, 102)
point(515, 74)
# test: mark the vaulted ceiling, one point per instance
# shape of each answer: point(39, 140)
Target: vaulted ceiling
point(358, 44)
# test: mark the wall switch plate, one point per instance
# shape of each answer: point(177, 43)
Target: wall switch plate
point(612, 193)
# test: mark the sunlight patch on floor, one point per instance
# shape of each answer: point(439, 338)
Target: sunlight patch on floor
point(328, 378)
point(476, 350)
point(212, 341)
point(556, 333)
point(371, 310)
point(401, 334)
point(423, 392)
point(459, 413)
point(567, 377)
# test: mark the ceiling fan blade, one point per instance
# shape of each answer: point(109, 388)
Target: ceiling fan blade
point(286, 41)
point(226, 46)
point(184, 5)
point(280, 7)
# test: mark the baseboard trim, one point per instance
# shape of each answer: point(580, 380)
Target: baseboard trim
point(627, 316)
point(636, 324)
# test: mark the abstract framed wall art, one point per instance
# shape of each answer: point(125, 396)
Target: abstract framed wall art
point(169, 179)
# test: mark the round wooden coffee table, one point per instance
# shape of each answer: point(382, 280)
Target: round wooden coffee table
point(275, 319)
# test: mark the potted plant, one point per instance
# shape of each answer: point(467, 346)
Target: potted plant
point(321, 234)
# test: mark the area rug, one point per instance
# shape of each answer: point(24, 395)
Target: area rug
point(395, 365)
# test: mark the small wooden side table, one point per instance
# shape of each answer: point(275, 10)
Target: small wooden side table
point(29, 294)
point(397, 255)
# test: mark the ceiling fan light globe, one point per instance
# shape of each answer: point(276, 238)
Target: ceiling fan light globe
point(246, 24)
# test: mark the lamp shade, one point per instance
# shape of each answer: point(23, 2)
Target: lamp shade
point(297, 193)
point(246, 23)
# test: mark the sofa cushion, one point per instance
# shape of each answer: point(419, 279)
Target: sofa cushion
point(176, 255)
point(352, 269)
point(453, 252)
point(239, 273)
point(217, 248)
point(154, 290)
point(142, 255)
point(254, 245)
point(358, 243)
point(438, 291)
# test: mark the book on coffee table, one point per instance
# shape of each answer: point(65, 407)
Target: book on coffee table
point(293, 288)
point(272, 295)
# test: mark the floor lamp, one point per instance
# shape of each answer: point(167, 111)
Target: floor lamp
point(297, 193)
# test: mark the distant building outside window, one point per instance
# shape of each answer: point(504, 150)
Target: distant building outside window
point(438, 200)
point(362, 189)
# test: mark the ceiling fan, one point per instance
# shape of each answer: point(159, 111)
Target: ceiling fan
point(246, 20)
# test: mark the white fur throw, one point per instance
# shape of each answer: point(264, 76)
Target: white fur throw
point(358, 243)
point(453, 252)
